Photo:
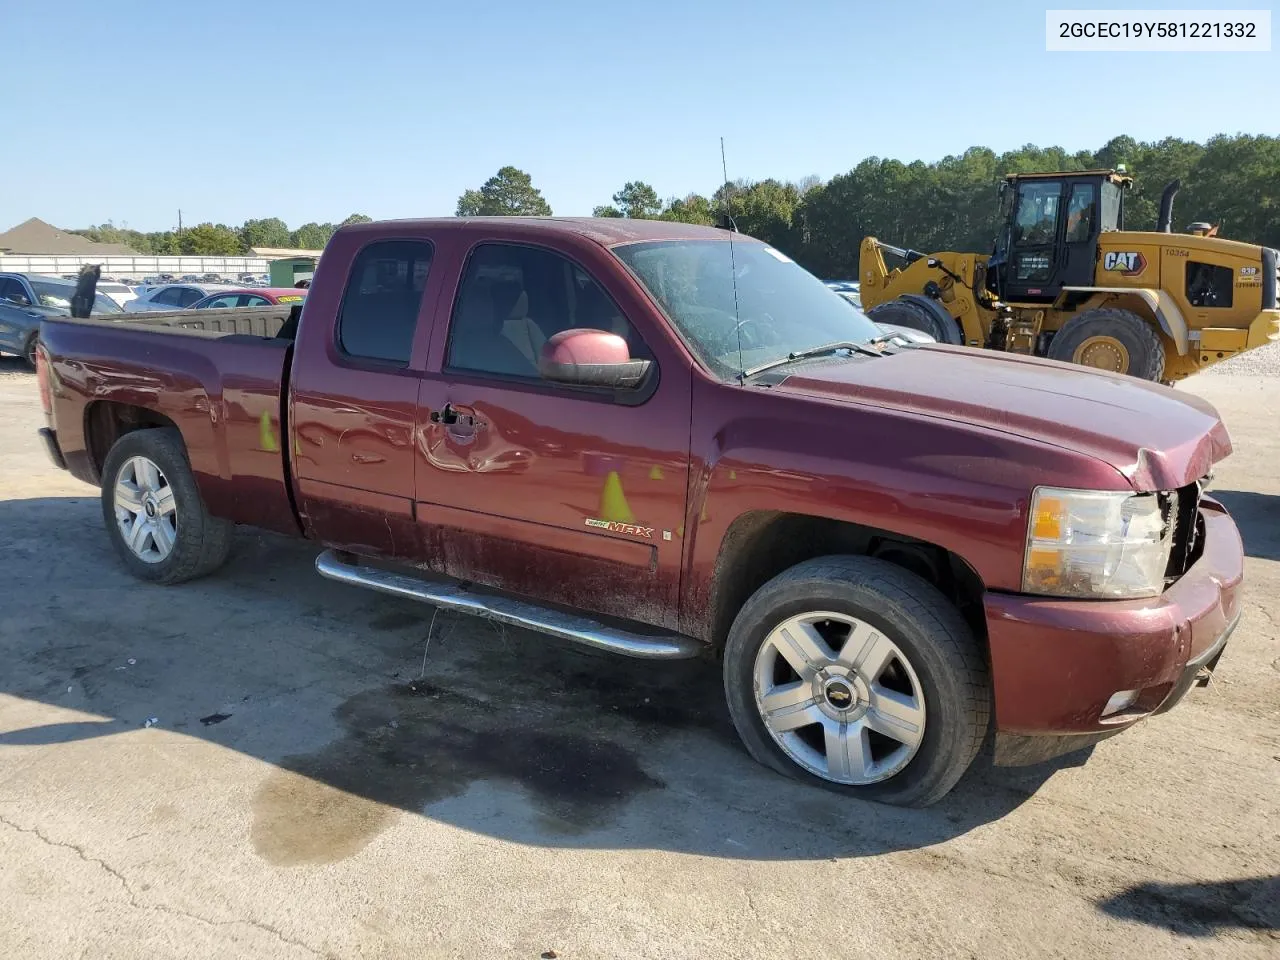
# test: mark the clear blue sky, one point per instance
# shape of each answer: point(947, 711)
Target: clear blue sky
point(314, 110)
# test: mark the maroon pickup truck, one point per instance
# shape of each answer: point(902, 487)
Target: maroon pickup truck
point(671, 441)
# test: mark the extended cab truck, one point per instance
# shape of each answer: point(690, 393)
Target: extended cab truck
point(669, 441)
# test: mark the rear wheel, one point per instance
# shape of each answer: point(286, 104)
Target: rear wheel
point(1111, 339)
point(153, 511)
point(860, 677)
point(918, 313)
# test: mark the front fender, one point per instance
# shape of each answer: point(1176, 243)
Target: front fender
point(957, 486)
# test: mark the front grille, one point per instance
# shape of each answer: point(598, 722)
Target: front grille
point(1188, 528)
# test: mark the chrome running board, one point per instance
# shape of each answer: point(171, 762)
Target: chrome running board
point(451, 595)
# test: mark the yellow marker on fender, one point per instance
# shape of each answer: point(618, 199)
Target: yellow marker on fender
point(613, 503)
point(266, 435)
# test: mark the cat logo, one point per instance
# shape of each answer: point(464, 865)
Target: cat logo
point(1127, 264)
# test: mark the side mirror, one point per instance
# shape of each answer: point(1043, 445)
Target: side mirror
point(590, 358)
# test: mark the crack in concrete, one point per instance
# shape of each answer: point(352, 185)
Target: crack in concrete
point(137, 904)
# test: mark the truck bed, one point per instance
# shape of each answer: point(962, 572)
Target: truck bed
point(201, 371)
point(253, 321)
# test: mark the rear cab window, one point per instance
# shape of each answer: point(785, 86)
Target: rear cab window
point(379, 311)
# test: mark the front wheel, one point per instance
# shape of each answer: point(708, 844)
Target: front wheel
point(858, 676)
point(153, 511)
point(1111, 339)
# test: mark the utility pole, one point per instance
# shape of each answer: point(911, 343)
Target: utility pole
point(179, 219)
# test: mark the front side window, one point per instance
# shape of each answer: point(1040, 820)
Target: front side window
point(189, 295)
point(379, 311)
point(1037, 216)
point(1080, 213)
point(743, 305)
point(1112, 207)
point(169, 297)
point(12, 291)
point(513, 298)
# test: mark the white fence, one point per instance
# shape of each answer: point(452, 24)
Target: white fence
point(135, 268)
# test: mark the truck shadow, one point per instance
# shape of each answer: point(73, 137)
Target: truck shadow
point(1258, 517)
point(505, 733)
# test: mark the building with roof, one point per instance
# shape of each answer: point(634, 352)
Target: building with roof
point(34, 236)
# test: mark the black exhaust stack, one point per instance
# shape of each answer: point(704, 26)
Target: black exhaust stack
point(1165, 223)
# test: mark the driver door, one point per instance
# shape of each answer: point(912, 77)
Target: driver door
point(1033, 260)
point(566, 494)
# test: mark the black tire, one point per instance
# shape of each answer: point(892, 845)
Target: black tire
point(919, 313)
point(1139, 338)
point(202, 542)
point(29, 350)
point(925, 626)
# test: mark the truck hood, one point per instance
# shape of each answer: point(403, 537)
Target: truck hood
point(1155, 437)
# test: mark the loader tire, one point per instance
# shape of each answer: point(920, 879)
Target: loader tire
point(1111, 339)
point(919, 313)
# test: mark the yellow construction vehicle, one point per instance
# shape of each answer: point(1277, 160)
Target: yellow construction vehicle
point(1067, 281)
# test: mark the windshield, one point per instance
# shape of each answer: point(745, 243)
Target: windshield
point(781, 308)
point(54, 293)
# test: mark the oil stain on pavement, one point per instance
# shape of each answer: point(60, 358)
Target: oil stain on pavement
point(412, 744)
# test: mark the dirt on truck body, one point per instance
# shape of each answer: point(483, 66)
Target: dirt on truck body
point(671, 441)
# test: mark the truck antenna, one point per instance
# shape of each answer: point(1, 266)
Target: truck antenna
point(733, 263)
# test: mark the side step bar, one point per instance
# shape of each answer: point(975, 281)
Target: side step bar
point(518, 613)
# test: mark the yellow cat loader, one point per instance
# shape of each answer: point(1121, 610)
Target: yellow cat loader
point(1067, 281)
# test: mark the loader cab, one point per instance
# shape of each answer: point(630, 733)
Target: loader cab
point(1050, 223)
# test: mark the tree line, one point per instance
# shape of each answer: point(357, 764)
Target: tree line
point(950, 204)
point(220, 240)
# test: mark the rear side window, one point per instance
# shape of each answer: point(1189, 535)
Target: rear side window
point(380, 307)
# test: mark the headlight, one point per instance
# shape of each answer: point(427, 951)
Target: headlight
point(1086, 543)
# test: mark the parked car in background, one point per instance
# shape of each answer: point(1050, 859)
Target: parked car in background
point(189, 278)
point(259, 297)
point(171, 296)
point(28, 298)
point(851, 290)
point(121, 293)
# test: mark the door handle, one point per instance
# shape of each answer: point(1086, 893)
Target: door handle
point(455, 416)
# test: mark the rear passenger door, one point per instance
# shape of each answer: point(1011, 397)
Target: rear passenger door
point(565, 494)
point(355, 391)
